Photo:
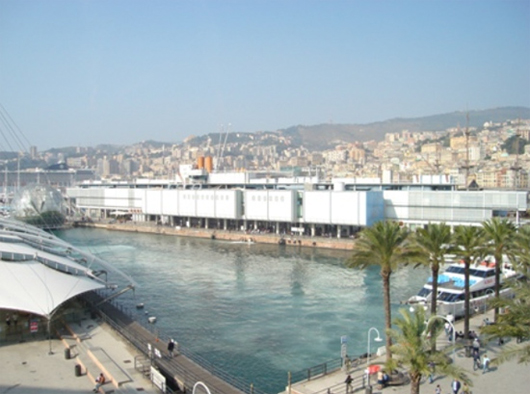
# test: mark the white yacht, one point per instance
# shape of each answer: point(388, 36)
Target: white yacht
point(451, 287)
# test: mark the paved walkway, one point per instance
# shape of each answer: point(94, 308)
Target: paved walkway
point(510, 377)
point(28, 368)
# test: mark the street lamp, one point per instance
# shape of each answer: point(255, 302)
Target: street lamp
point(378, 339)
point(448, 321)
point(452, 328)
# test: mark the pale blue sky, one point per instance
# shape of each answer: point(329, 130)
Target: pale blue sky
point(103, 71)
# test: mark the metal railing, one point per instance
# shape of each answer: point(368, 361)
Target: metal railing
point(109, 312)
point(317, 370)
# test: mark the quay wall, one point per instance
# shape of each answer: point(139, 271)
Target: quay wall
point(235, 236)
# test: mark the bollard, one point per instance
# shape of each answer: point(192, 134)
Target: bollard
point(67, 353)
point(77, 370)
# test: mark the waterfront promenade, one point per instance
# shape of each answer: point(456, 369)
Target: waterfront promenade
point(509, 377)
point(95, 342)
point(27, 368)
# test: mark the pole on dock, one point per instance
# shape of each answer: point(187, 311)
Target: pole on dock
point(289, 382)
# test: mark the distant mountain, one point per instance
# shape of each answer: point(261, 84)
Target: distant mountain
point(324, 136)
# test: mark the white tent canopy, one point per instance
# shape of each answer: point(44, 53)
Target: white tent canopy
point(32, 287)
point(39, 272)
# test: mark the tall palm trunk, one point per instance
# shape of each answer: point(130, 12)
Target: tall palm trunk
point(434, 298)
point(498, 263)
point(388, 318)
point(415, 380)
point(467, 265)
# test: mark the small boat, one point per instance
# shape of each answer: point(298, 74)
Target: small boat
point(151, 319)
point(140, 305)
point(451, 287)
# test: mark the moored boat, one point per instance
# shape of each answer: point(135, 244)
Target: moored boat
point(451, 287)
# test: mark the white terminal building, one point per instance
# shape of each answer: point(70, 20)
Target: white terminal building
point(272, 202)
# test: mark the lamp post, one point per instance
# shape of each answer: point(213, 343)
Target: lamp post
point(378, 339)
point(452, 328)
point(448, 321)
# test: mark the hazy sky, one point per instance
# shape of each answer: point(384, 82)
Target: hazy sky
point(103, 71)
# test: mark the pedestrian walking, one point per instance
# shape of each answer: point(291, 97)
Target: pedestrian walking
point(438, 389)
point(455, 386)
point(486, 364)
point(8, 321)
point(348, 382)
point(171, 347)
point(466, 389)
point(476, 361)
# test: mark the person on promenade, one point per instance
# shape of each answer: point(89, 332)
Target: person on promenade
point(486, 363)
point(8, 321)
point(100, 381)
point(466, 389)
point(455, 386)
point(432, 369)
point(380, 378)
point(171, 347)
point(476, 360)
point(348, 382)
point(476, 344)
point(438, 389)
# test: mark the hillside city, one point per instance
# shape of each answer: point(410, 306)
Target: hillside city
point(496, 155)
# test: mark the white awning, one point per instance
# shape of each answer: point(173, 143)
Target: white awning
point(30, 286)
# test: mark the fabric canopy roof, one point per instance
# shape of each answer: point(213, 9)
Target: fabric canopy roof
point(30, 286)
point(39, 272)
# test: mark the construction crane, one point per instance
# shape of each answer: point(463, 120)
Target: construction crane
point(516, 166)
point(467, 166)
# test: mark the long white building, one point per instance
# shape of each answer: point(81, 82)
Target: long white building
point(281, 205)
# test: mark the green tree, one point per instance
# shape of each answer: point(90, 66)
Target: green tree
point(522, 249)
point(385, 245)
point(499, 237)
point(469, 247)
point(413, 340)
point(515, 323)
point(433, 242)
point(514, 145)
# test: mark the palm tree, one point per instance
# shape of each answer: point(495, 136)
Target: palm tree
point(499, 236)
point(433, 242)
point(522, 249)
point(413, 347)
point(469, 247)
point(383, 244)
point(515, 323)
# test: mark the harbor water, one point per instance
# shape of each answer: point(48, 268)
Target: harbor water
point(255, 311)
